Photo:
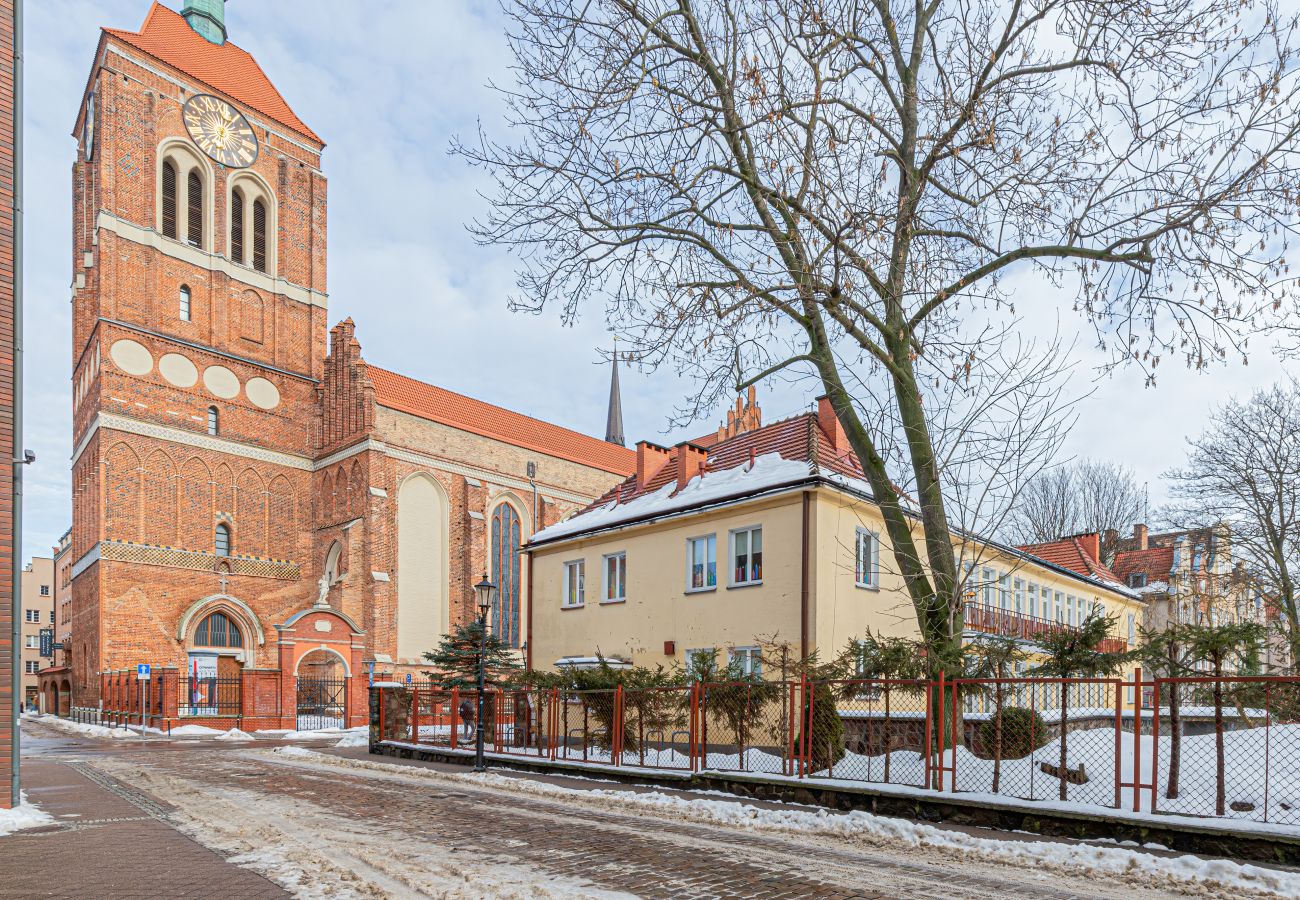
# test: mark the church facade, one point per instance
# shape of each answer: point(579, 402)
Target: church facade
point(252, 499)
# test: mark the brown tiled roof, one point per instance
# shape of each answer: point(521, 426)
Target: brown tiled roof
point(1071, 553)
point(1155, 563)
point(449, 408)
point(166, 36)
point(798, 438)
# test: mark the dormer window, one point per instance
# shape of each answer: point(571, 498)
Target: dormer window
point(1137, 580)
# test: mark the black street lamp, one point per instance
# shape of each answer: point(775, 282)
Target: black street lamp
point(485, 592)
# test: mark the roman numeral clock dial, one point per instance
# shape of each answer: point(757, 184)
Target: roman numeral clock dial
point(221, 131)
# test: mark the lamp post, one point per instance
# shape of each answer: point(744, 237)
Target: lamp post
point(485, 592)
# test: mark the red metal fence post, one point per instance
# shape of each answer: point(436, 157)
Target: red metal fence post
point(1137, 739)
point(1119, 733)
point(453, 717)
point(942, 698)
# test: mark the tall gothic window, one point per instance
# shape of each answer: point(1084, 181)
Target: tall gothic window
point(186, 307)
point(223, 539)
point(259, 235)
point(169, 199)
point(218, 630)
point(194, 197)
point(237, 226)
point(505, 571)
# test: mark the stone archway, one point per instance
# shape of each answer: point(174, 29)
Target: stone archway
point(64, 702)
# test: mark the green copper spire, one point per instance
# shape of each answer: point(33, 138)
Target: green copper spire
point(207, 17)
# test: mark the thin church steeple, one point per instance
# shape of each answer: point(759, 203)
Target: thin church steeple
point(614, 419)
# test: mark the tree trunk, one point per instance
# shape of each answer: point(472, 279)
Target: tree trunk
point(1175, 741)
point(1219, 787)
point(1065, 730)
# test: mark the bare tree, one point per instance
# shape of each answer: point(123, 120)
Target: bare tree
point(1082, 496)
point(1244, 471)
point(840, 187)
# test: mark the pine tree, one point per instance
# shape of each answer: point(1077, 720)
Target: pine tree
point(1076, 653)
point(1165, 655)
point(455, 662)
point(995, 657)
point(889, 660)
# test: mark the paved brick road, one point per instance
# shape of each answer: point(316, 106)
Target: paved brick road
point(372, 833)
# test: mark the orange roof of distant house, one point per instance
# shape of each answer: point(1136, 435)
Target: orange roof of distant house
point(1072, 553)
point(1154, 562)
point(166, 36)
point(449, 408)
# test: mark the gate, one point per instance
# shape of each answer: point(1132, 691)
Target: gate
point(322, 703)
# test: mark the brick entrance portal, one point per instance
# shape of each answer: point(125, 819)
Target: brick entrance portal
point(320, 647)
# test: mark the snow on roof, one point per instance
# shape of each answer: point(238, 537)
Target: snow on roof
point(768, 471)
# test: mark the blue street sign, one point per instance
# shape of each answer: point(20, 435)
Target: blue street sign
point(142, 671)
point(47, 642)
point(408, 677)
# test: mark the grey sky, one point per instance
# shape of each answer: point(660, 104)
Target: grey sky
point(387, 83)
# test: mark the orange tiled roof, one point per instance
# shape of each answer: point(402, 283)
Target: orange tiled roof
point(1071, 553)
point(1154, 562)
point(440, 405)
point(797, 438)
point(165, 35)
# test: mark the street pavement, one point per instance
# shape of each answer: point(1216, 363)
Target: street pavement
point(158, 818)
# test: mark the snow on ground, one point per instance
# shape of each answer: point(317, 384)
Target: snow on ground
point(71, 727)
point(317, 734)
point(24, 815)
point(1185, 873)
point(234, 734)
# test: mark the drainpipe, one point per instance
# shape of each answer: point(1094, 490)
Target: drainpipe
point(803, 583)
point(19, 458)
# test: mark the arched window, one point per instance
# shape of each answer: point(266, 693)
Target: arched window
point(505, 571)
point(223, 539)
point(218, 630)
point(194, 197)
point(185, 303)
point(237, 226)
point(259, 235)
point(169, 199)
point(214, 420)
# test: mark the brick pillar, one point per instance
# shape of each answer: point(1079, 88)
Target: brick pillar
point(249, 702)
point(288, 691)
point(169, 684)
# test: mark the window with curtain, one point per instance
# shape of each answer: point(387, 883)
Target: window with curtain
point(169, 199)
point(237, 226)
point(506, 573)
point(185, 304)
point(702, 563)
point(747, 555)
point(867, 565)
point(194, 209)
point(223, 539)
point(218, 630)
point(259, 235)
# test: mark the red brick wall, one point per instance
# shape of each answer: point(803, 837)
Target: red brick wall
point(8, 652)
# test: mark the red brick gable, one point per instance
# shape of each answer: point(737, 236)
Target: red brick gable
point(1074, 553)
point(441, 405)
point(1155, 563)
point(166, 36)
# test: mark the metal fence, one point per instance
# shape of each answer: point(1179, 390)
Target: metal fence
point(1225, 748)
point(209, 695)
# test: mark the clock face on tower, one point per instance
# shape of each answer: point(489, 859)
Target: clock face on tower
point(221, 131)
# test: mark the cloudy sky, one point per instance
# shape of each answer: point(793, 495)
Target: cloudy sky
point(387, 83)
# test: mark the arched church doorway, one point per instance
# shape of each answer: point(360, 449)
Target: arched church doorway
point(322, 678)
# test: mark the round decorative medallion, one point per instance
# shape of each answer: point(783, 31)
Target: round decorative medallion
point(178, 370)
point(221, 381)
point(131, 357)
point(221, 131)
point(262, 393)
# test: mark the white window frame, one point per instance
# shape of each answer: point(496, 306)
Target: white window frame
point(604, 578)
point(1020, 596)
point(750, 531)
point(1032, 592)
point(1004, 591)
point(710, 544)
point(752, 656)
point(1132, 627)
point(1060, 607)
point(1069, 610)
point(986, 581)
point(33, 642)
point(868, 576)
point(689, 654)
point(31, 666)
point(581, 567)
point(32, 615)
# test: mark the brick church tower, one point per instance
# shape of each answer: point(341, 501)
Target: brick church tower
point(252, 500)
point(199, 329)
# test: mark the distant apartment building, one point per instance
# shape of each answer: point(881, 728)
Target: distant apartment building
point(38, 612)
point(56, 671)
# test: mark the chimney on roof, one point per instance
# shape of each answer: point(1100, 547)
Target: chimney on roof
point(1091, 544)
point(1140, 537)
point(650, 458)
point(207, 18)
point(830, 425)
point(690, 461)
point(614, 419)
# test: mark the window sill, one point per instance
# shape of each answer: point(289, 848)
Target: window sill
point(867, 587)
point(565, 606)
point(745, 584)
point(701, 590)
point(613, 602)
